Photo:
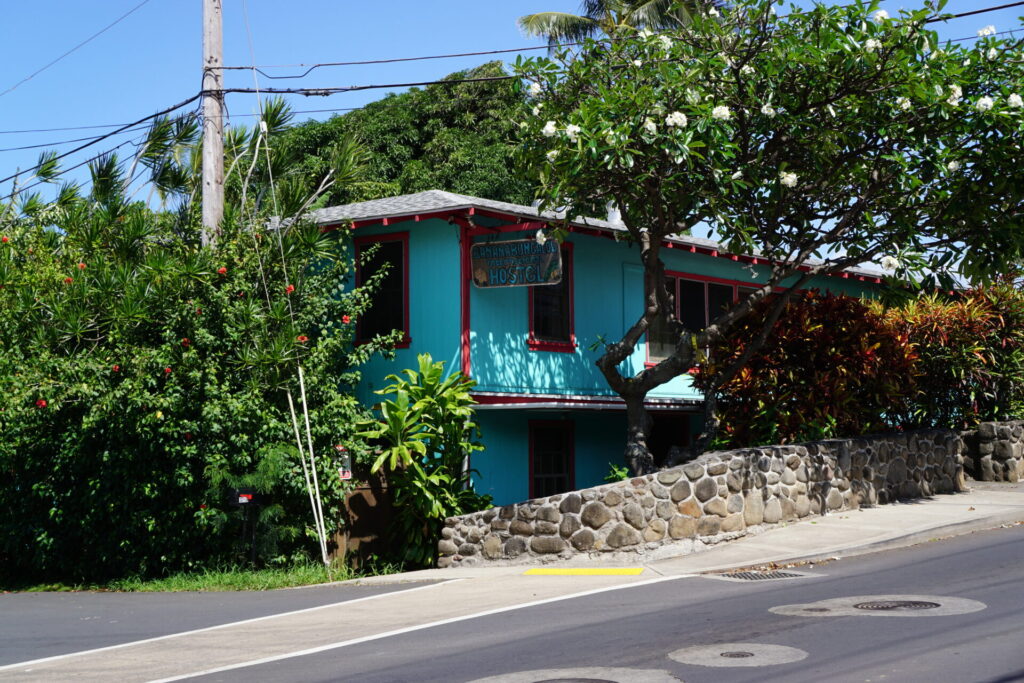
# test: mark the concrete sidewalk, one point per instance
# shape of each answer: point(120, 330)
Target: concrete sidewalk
point(835, 535)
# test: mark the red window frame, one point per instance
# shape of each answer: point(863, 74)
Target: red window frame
point(679, 275)
point(535, 344)
point(570, 436)
point(361, 243)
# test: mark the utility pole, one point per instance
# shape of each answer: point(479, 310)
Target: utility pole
point(213, 120)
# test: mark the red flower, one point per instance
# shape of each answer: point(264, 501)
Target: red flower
point(222, 270)
point(68, 280)
point(302, 339)
point(41, 403)
point(81, 266)
point(289, 289)
point(241, 294)
point(199, 311)
point(185, 342)
point(167, 371)
point(5, 239)
point(203, 506)
point(116, 368)
point(345, 319)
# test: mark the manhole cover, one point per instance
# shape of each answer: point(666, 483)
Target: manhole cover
point(889, 605)
point(763, 576)
point(737, 655)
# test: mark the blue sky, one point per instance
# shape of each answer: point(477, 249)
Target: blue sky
point(152, 58)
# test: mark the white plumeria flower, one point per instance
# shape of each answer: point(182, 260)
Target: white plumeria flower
point(880, 16)
point(1015, 101)
point(872, 44)
point(768, 110)
point(992, 53)
point(536, 110)
point(637, 62)
point(712, 12)
point(645, 34)
point(721, 112)
point(989, 30)
point(903, 103)
point(549, 129)
point(676, 119)
point(955, 95)
point(953, 166)
point(572, 131)
point(984, 103)
point(551, 155)
point(535, 89)
point(889, 263)
point(737, 175)
point(650, 126)
point(666, 42)
point(787, 178)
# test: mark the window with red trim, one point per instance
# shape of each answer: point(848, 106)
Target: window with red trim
point(551, 457)
point(389, 310)
point(551, 311)
point(697, 303)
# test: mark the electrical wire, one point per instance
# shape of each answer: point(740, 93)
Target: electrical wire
point(110, 134)
point(76, 47)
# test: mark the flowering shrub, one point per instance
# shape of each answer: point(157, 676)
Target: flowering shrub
point(136, 395)
point(831, 367)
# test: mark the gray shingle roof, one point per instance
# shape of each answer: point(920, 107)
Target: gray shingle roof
point(432, 201)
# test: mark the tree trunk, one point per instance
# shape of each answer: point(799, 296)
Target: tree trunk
point(711, 423)
point(638, 430)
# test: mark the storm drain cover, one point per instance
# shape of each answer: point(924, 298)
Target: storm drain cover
point(883, 606)
point(759, 575)
point(880, 605)
point(584, 674)
point(737, 654)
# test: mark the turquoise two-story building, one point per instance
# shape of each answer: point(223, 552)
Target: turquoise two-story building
point(549, 420)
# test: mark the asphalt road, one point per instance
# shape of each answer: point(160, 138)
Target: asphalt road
point(620, 635)
point(37, 625)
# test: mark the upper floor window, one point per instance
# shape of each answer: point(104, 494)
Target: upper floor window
point(390, 302)
point(551, 311)
point(697, 303)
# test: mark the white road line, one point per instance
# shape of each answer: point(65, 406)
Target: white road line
point(82, 653)
point(409, 629)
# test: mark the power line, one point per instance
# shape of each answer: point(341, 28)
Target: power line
point(47, 144)
point(71, 168)
point(76, 47)
point(100, 138)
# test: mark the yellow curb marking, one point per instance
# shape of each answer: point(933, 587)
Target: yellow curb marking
point(585, 571)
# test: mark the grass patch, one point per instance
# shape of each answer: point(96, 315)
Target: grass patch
point(227, 579)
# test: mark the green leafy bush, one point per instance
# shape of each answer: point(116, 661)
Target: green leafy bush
point(427, 435)
point(831, 367)
point(143, 376)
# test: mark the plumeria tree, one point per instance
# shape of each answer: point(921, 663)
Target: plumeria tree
point(819, 140)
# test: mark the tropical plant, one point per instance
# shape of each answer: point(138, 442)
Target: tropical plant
point(822, 133)
point(831, 367)
point(428, 436)
point(612, 18)
point(143, 375)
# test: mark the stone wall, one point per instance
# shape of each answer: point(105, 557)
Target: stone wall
point(717, 497)
point(996, 451)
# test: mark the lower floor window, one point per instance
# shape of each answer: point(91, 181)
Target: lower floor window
point(551, 457)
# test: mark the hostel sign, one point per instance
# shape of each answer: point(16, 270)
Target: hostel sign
point(517, 263)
